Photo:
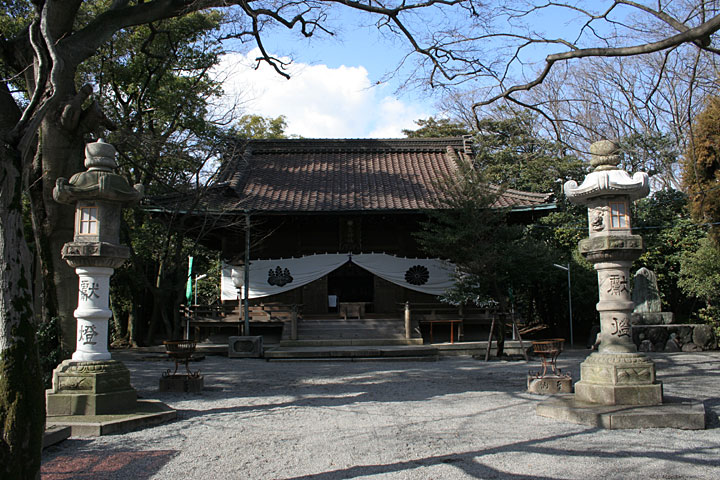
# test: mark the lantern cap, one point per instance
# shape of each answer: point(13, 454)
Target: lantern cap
point(605, 155)
point(99, 182)
point(607, 179)
point(100, 155)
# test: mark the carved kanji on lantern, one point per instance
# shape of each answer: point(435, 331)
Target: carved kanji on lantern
point(99, 195)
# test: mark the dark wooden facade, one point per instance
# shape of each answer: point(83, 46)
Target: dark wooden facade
point(306, 197)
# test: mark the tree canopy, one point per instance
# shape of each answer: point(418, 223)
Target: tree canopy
point(436, 128)
point(701, 168)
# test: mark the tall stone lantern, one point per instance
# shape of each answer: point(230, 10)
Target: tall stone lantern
point(92, 383)
point(617, 387)
point(616, 374)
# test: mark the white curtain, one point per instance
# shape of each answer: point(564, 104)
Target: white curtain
point(270, 277)
point(273, 276)
point(426, 275)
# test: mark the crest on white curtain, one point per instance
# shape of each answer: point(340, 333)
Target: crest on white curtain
point(273, 276)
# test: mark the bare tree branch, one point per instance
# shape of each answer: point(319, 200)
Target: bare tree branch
point(688, 36)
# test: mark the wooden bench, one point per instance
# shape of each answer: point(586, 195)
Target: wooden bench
point(207, 316)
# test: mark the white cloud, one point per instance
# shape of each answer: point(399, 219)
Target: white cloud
point(318, 101)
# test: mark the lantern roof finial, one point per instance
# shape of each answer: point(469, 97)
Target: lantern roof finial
point(100, 155)
point(605, 155)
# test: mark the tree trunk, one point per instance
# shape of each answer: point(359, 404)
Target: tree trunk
point(61, 155)
point(131, 327)
point(501, 320)
point(22, 399)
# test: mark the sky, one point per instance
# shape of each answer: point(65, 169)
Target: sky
point(320, 101)
point(335, 89)
point(339, 86)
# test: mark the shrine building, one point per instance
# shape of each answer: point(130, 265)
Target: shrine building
point(332, 220)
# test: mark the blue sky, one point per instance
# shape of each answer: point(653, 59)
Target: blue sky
point(338, 87)
point(334, 90)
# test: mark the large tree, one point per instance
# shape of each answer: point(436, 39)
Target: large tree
point(701, 168)
point(156, 88)
point(468, 230)
point(46, 117)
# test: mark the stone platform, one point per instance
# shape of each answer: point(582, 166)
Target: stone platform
point(55, 434)
point(146, 413)
point(678, 413)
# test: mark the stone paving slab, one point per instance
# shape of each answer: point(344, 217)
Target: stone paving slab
point(145, 414)
point(457, 418)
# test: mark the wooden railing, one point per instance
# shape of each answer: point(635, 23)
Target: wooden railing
point(454, 316)
point(222, 315)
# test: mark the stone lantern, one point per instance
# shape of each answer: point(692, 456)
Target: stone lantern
point(618, 384)
point(617, 373)
point(92, 383)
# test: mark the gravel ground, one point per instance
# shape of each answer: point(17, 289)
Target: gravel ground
point(457, 418)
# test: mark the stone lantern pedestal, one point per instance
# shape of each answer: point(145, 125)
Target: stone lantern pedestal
point(618, 384)
point(91, 383)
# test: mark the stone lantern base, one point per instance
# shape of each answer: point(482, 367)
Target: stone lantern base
point(619, 391)
point(618, 379)
point(90, 388)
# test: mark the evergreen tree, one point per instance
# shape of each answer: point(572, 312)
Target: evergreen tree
point(437, 128)
point(701, 167)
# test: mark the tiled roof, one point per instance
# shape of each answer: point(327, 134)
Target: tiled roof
point(334, 175)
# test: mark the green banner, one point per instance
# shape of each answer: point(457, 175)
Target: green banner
point(188, 288)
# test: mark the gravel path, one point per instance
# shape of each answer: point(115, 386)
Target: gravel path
point(457, 418)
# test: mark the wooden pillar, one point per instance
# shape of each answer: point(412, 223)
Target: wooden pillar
point(407, 321)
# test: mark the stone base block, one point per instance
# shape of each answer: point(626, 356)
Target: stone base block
point(90, 388)
point(549, 384)
point(674, 413)
point(91, 377)
point(66, 403)
point(619, 394)
point(618, 379)
point(245, 347)
point(618, 369)
point(182, 383)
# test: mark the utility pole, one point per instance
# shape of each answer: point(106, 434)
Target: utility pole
point(246, 279)
point(567, 269)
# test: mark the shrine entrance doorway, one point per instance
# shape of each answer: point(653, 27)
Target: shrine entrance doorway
point(351, 283)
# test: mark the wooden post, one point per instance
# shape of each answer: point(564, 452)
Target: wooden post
point(407, 321)
point(246, 279)
point(293, 323)
point(489, 342)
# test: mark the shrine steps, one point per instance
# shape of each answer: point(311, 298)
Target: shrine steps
point(352, 331)
point(353, 353)
point(372, 338)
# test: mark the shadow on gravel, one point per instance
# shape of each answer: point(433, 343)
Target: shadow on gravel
point(106, 465)
point(471, 465)
point(712, 407)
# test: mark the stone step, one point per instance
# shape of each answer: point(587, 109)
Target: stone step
point(396, 326)
point(350, 324)
point(351, 327)
point(350, 336)
point(350, 342)
point(332, 330)
point(352, 352)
